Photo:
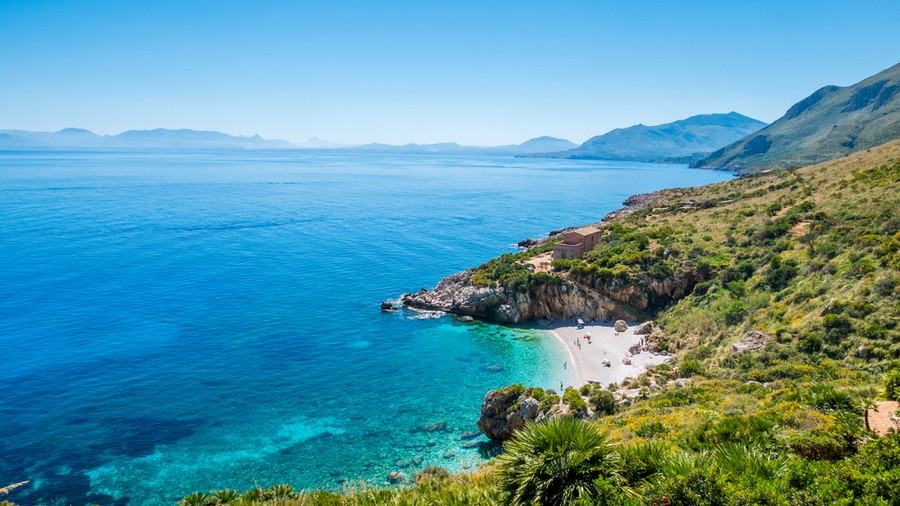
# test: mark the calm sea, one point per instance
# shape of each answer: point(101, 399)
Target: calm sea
point(174, 322)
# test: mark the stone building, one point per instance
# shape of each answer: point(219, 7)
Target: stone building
point(576, 242)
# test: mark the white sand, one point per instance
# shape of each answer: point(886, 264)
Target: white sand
point(587, 360)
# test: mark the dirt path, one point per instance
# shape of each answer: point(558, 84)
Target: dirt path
point(881, 421)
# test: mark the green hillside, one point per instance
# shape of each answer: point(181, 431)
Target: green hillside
point(831, 122)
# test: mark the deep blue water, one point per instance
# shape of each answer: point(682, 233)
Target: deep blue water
point(181, 322)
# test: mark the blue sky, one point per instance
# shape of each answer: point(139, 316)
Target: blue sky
point(472, 72)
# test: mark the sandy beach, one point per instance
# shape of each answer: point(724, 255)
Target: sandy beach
point(605, 344)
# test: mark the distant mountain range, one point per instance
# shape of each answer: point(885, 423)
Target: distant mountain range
point(536, 145)
point(80, 139)
point(679, 139)
point(828, 124)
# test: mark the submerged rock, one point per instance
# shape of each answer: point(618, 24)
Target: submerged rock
point(440, 425)
point(395, 477)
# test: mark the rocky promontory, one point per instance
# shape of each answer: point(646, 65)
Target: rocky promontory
point(565, 296)
point(457, 294)
point(562, 300)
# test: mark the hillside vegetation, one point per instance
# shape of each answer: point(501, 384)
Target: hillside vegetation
point(830, 123)
point(789, 332)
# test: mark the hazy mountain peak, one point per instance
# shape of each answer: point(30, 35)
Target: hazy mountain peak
point(702, 132)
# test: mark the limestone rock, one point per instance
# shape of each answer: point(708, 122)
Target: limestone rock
point(832, 307)
point(440, 425)
point(644, 329)
point(752, 340)
point(620, 326)
point(498, 420)
point(388, 306)
point(395, 477)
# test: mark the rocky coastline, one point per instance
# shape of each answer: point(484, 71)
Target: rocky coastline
point(457, 294)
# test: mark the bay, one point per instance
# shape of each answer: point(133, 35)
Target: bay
point(174, 322)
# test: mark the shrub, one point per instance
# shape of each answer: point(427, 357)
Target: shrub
point(818, 445)
point(574, 400)
point(837, 326)
point(892, 384)
point(780, 274)
point(603, 403)
point(549, 401)
point(735, 312)
point(690, 368)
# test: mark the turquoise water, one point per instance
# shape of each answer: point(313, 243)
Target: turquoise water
point(192, 321)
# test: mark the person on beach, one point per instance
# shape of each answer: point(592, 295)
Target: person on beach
point(564, 365)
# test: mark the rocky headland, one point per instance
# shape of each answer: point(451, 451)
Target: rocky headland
point(569, 295)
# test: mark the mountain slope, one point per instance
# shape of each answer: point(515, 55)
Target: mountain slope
point(705, 132)
point(830, 123)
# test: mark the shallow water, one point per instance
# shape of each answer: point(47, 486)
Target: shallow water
point(190, 321)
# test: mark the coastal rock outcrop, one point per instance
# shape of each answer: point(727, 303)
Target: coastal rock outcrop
point(505, 411)
point(644, 329)
point(583, 297)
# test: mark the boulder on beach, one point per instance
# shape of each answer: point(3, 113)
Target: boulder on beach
point(644, 329)
point(620, 326)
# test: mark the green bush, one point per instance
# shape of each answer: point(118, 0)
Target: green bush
point(892, 384)
point(574, 400)
point(780, 274)
point(735, 312)
point(690, 368)
point(603, 403)
point(819, 445)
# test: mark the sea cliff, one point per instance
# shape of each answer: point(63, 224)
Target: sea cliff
point(562, 298)
point(588, 293)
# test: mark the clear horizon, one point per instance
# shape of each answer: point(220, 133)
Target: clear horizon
point(402, 72)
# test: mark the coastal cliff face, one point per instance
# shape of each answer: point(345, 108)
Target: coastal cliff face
point(563, 295)
point(585, 297)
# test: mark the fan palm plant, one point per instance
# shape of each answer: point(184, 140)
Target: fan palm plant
point(557, 463)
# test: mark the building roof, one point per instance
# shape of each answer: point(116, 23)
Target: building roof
point(584, 231)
